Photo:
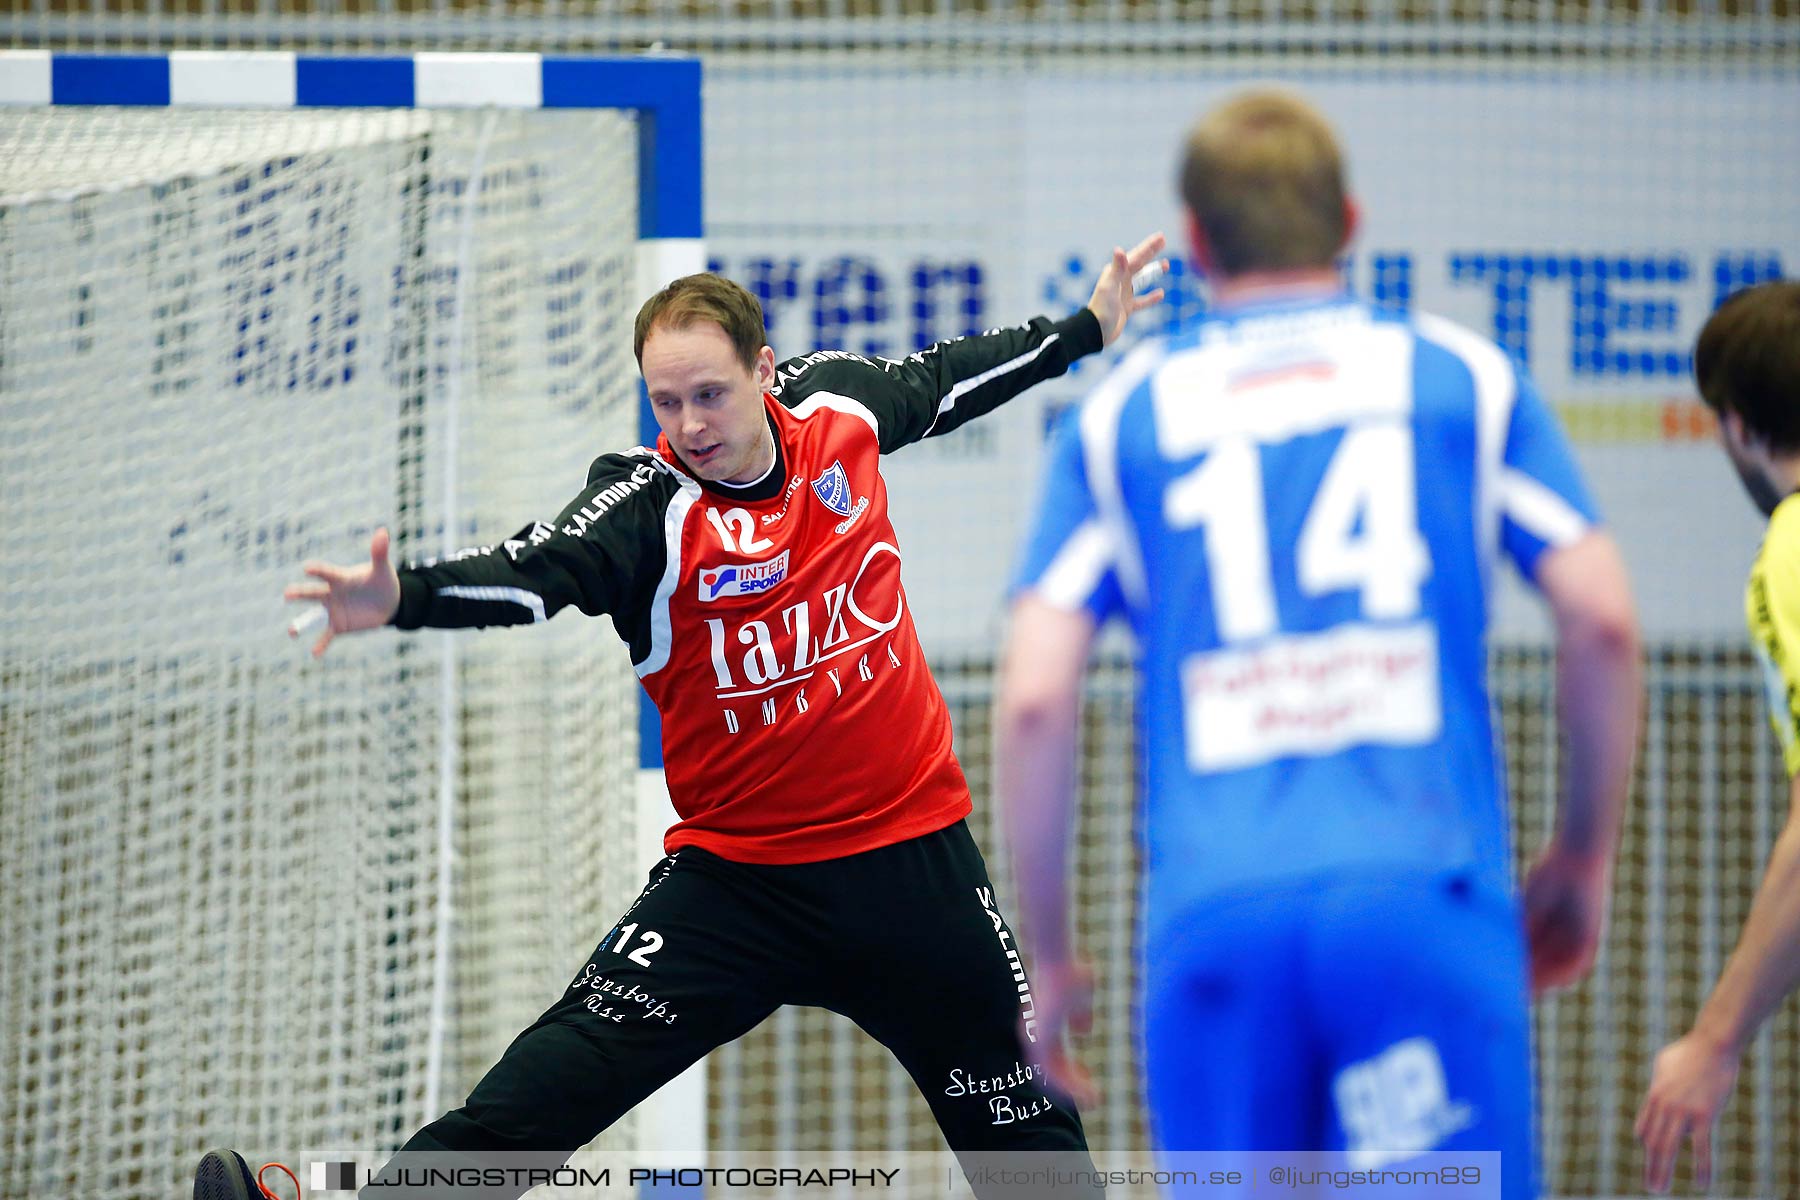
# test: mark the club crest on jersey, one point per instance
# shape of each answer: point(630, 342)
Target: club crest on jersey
point(833, 490)
point(742, 579)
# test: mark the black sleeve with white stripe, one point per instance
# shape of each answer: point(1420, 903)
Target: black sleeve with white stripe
point(942, 386)
point(603, 554)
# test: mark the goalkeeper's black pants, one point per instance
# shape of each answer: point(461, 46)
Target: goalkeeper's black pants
point(906, 940)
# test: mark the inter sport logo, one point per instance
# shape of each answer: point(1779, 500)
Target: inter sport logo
point(742, 579)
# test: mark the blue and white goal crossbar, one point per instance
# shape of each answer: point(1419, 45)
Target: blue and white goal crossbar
point(664, 92)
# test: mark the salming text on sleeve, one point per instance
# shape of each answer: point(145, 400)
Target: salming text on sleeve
point(945, 385)
point(603, 554)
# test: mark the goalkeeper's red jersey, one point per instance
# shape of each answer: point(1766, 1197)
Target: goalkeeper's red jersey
point(769, 623)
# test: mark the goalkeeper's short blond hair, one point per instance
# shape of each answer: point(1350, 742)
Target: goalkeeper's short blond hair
point(1264, 177)
point(704, 297)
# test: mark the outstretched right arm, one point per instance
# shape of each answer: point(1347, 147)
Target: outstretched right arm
point(595, 556)
point(1550, 528)
point(353, 598)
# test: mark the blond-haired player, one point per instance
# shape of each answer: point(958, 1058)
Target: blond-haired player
point(1298, 505)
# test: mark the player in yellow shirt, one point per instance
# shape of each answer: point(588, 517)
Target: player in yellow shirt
point(1747, 363)
point(1772, 608)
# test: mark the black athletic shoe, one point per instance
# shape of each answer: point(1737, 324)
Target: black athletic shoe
point(224, 1175)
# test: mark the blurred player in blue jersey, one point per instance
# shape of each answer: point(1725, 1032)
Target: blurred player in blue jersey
point(1299, 505)
point(1747, 363)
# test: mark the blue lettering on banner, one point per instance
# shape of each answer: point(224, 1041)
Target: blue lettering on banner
point(1391, 281)
point(208, 530)
point(853, 302)
point(850, 292)
point(776, 285)
point(969, 315)
point(1735, 272)
point(562, 313)
point(1391, 284)
point(273, 265)
point(1629, 314)
point(1597, 309)
point(574, 292)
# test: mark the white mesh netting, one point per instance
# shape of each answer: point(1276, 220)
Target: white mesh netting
point(230, 342)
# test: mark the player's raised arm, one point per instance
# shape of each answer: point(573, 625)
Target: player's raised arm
point(947, 384)
point(597, 555)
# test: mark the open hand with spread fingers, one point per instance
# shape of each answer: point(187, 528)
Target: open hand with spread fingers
point(1115, 299)
point(1689, 1085)
point(354, 598)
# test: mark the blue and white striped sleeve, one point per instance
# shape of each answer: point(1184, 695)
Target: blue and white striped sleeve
point(1069, 561)
point(1544, 503)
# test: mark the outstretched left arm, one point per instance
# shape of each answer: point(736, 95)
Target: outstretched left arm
point(952, 382)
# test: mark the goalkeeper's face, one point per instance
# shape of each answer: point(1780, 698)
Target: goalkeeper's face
point(708, 403)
